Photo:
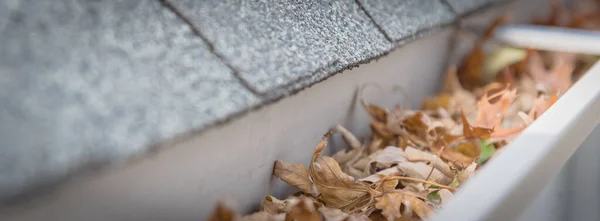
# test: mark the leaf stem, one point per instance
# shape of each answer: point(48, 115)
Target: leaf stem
point(423, 181)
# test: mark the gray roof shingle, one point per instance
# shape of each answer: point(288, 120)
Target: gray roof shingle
point(272, 43)
point(85, 82)
point(402, 19)
point(90, 81)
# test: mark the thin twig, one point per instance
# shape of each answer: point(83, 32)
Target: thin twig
point(423, 181)
point(430, 172)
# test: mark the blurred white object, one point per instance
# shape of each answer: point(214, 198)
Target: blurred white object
point(550, 38)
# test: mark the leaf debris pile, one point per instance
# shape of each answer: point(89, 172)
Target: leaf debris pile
point(416, 159)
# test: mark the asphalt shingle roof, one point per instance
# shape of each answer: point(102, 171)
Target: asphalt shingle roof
point(89, 82)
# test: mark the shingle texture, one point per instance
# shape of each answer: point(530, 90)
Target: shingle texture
point(273, 43)
point(87, 82)
point(402, 19)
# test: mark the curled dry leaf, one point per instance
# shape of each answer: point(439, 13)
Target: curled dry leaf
point(337, 189)
point(417, 155)
point(350, 139)
point(294, 174)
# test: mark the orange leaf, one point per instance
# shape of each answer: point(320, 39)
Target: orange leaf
point(471, 132)
point(490, 115)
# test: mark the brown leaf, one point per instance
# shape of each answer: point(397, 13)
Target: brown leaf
point(468, 149)
point(451, 155)
point(443, 100)
point(419, 207)
point(471, 132)
point(416, 124)
point(338, 190)
point(303, 210)
point(389, 204)
point(388, 186)
point(490, 115)
point(381, 130)
point(222, 213)
point(294, 174)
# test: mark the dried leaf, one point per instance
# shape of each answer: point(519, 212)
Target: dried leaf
point(471, 132)
point(338, 190)
point(451, 155)
point(272, 205)
point(389, 204)
point(330, 214)
point(294, 174)
point(376, 143)
point(388, 186)
point(379, 175)
point(414, 154)
point(417, 124)
point(468, 149)
point(222, 213)
point(350, 139)
point(490, 115)
point(419, 207)
point(303, 210)
point(390, 154)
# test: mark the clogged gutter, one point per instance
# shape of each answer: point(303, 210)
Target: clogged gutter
point(416, 159)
